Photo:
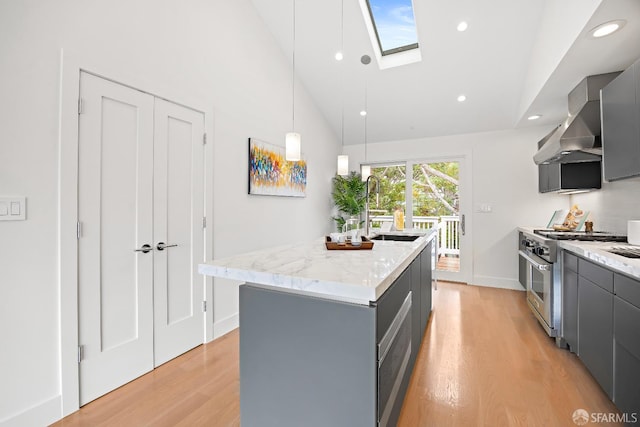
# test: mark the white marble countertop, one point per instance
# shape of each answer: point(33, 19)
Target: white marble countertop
point(597, 252)
point(356, 276)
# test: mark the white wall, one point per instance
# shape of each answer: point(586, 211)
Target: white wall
point(503, 175)
point(561, 24)
point(613, 205)
point(214, 53)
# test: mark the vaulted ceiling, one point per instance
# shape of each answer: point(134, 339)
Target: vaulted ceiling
point(517, 58)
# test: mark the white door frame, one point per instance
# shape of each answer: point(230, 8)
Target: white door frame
point(466, 204)
point(466, 195)
point(71, 64)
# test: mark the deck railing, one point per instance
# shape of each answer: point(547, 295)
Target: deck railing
point(448, 226)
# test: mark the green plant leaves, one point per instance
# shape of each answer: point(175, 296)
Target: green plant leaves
point(348, 194)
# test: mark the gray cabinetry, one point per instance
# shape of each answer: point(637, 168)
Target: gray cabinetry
point(627, 356)
point(595, 331)
point(307, 361)
point(569, 176)
point(548, 177)
point(416, 290)
point(607, 325)
point(621, 125)
point(626, 323)
point(390, 302)
point(421, 279)
point(570, 301)
point(426, 293)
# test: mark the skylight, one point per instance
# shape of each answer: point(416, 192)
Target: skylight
point(394, 25)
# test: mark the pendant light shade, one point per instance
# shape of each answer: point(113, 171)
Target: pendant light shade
point(343, 165)
point(292, 146)
point(365, 171)
point(343, 159)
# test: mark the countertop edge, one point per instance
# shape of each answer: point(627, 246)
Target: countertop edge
point(596, 252)
point(326, 289)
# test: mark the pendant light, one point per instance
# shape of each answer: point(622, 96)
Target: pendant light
point(292, 139)
point(365, 170)
point(343, 159)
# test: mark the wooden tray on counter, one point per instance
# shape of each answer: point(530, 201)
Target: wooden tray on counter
point(333, 246)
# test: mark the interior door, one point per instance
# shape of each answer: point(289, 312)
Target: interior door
point(141, 234)
point(178, 230)
point(115, 190)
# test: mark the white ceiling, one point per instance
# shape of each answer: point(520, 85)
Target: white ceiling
point(518, 57)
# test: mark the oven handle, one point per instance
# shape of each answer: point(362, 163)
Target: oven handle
point(536, 264)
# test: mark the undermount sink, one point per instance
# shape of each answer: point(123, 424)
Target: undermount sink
point(628, 252)
point(395, 237)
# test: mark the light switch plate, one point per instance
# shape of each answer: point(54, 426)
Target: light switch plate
point(13, 208)
point(484, 208)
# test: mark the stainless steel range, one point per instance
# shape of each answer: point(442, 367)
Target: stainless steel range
point(541, 272)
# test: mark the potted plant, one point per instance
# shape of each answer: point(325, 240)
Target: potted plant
point(348, 196)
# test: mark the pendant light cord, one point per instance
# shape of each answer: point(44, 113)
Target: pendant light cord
point(293, 72)
point(342, 73)
point(365, 118)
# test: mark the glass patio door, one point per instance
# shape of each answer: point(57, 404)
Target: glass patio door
point(433, 193)
point(439, 201)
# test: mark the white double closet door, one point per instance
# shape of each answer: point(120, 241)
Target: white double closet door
point(141, 237)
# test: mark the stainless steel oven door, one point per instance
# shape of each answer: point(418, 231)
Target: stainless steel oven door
point(539, 279)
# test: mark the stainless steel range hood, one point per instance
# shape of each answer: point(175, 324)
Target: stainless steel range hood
point(578, 138)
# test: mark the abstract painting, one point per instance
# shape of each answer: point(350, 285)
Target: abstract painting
point(271, 174)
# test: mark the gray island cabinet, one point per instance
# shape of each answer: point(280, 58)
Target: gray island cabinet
point(309, 358)
point(600, 323)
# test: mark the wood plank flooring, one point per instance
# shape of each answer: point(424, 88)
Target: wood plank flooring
point(448, 263)
point(484, 362)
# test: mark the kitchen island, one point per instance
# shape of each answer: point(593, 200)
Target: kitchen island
point(329, 337)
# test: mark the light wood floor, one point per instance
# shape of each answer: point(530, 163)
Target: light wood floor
point(484, 362)
point(448, 263)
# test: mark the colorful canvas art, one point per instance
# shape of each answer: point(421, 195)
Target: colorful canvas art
point(271, 174)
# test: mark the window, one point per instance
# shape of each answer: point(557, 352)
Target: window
point(394, 25)
point(391, 197)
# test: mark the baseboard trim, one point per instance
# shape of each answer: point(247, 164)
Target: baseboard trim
point(41, 414)
point(225, 325)
point(497, 282)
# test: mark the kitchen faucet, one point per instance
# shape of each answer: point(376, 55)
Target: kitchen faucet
point(366, 208)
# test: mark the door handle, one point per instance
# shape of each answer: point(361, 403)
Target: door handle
point(162, 246)
point(533, 262)
point(462, 225)
point(144, 249)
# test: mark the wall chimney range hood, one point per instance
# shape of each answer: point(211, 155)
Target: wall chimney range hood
point(577, 139)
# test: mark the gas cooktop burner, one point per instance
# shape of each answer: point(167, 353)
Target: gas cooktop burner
point(600, 236)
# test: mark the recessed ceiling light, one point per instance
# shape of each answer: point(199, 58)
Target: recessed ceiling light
point(534, 117)
point(339, 56)
point(462, 26)
point(363, 113)
point(607, 28)
point(462, 98)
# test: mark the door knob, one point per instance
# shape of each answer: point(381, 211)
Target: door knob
point(162, 246)
point(144, 249)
